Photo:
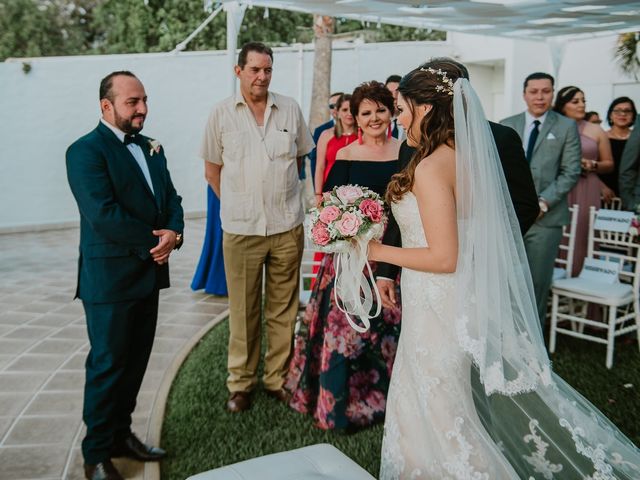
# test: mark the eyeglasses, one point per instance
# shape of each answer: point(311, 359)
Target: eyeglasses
point(332, 106)
point(622, 111)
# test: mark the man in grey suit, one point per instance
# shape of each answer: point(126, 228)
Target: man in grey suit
point(552, 146)
point(629, 180)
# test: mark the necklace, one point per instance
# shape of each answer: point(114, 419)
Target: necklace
point(617, 136)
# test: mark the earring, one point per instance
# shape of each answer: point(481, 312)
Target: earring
point(389, 131)
point(359, 136)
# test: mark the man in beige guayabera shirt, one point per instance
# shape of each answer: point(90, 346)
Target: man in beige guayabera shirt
point(253, 147)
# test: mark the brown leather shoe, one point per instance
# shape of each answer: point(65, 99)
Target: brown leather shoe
point(281, 394)
point(102, 471)
point(239, 402)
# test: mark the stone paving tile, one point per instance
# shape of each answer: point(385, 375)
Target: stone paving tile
point(72, 332)
point(17, 318)
point(56, 403)
point(38, 307)
point(21, 382)
point(10, 346)
point(159, 362)
point(28, 462)
point(56, 346)
point(28, 332)
point(53, 320)
point(12, 403)
point(176, 331)
point(5, 422)
point(6, 328)
point(210, 308)
point(36, 363)
point(76, 362)
point(66, 381)
point(43, 430)
point(5, 360)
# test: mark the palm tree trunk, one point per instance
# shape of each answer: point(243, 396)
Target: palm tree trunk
point(323, 30)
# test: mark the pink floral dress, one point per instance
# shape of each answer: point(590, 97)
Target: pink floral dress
point(337, 375)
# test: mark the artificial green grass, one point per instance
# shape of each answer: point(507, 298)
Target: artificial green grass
point(201, 435)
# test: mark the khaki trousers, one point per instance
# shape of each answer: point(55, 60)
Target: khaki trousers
point(244, 259)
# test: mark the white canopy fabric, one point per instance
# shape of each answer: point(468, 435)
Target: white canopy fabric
point(530, 19)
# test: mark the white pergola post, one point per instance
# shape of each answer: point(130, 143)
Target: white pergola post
point(235, 14)
point(557, 48)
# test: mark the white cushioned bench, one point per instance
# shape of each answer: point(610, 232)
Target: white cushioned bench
point(316, 462)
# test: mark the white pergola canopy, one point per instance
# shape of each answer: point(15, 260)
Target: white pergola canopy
point(531, 19)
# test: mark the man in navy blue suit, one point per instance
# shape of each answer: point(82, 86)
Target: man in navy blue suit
point(333, 109)
point(131, 220)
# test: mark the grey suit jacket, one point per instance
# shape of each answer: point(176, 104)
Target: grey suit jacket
point(629, 180)
point(555, 163)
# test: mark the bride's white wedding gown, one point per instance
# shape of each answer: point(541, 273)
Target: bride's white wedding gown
point(431, 428)
point(442, 424)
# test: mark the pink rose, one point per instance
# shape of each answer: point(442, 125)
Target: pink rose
point(371, 209)
point(348, 224)
point(349, 194)
point(329, 214)
point(320, 234)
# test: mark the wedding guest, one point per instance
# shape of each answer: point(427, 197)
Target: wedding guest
point(253, 147)
point(552, 147)
point(130, 222)
point(596, 158)
point(593, 117)
point(629, 179)
point(209, 274)
point(392, 83)
point(337, 375)
point(332, 140)
point(333, 112)
point(620, 116)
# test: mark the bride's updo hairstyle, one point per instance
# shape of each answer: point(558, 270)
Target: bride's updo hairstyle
point(431, 83)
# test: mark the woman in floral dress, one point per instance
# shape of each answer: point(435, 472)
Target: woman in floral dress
point(339, 376)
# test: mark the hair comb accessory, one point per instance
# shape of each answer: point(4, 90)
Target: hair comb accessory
point(446, 84)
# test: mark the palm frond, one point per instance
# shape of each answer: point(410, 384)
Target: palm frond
point(625, 53)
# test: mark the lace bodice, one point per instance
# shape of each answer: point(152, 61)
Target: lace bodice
point(406, 212)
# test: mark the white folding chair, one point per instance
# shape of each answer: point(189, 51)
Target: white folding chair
point(306, 276)
point(620, 299)
point(563, 266)
point(614, 204)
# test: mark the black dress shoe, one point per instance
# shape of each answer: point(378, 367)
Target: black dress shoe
point(132, 447)
point(102, 471)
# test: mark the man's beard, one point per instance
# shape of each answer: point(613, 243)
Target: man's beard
point(125, 125)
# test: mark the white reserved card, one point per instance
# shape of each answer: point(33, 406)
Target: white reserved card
point(613, 220)
point(601, 271)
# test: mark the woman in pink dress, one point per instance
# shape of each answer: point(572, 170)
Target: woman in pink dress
point(596, 158)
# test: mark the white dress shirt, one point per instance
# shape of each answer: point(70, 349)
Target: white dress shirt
point(135, 150)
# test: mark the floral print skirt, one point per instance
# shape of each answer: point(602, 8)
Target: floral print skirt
point(336, 374)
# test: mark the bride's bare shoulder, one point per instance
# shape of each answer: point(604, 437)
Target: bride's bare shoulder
point(441, 163)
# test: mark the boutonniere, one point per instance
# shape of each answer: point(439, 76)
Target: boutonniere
point(154, 147)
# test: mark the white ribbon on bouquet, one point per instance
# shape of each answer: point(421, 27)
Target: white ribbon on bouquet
point(354, 292)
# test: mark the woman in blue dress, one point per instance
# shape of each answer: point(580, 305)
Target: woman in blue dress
point(210, 271)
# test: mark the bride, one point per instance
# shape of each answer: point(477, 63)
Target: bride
point(472, 393)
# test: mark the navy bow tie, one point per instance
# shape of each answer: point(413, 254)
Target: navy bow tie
point(131, 139)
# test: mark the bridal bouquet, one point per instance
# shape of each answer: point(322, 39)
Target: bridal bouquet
point(348, 218)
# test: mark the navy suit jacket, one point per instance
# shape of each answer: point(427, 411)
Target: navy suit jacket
point(118, 212)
